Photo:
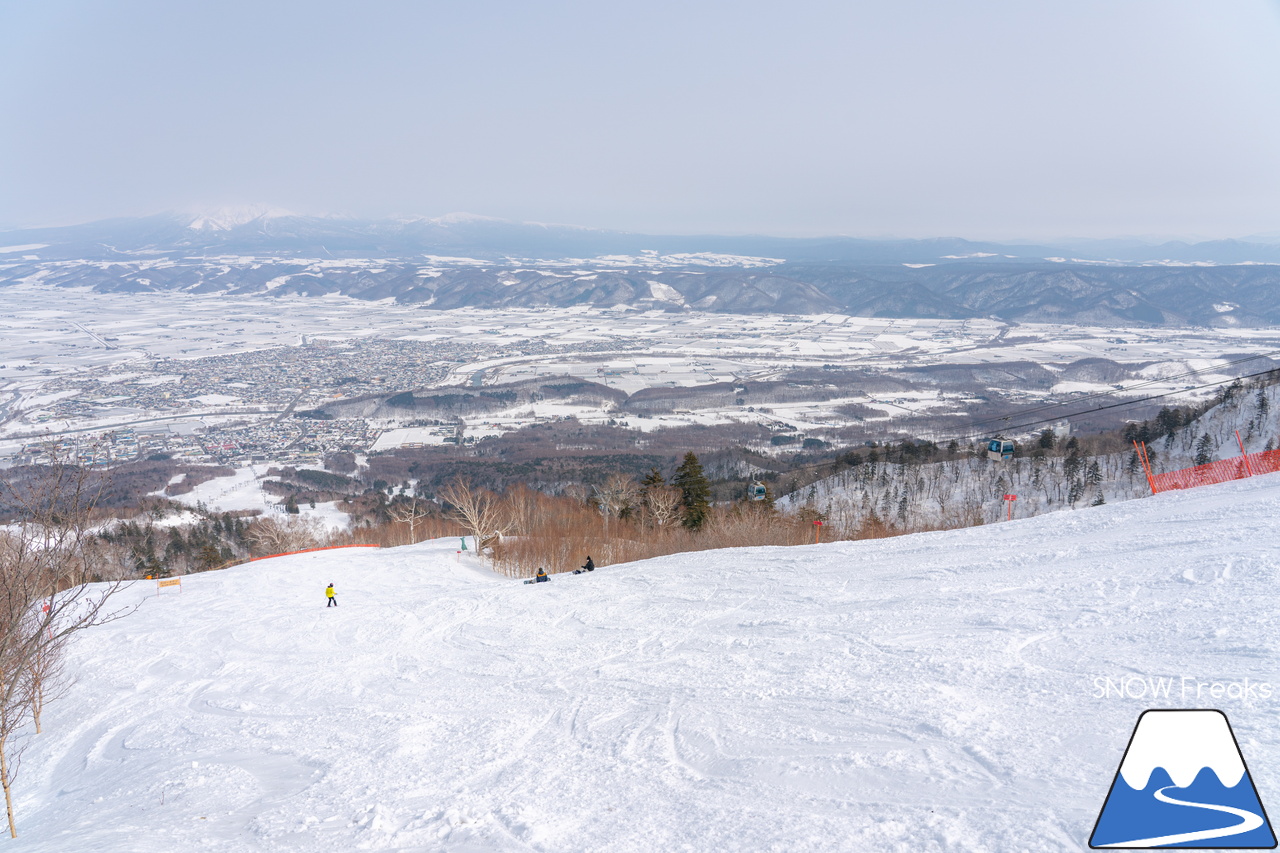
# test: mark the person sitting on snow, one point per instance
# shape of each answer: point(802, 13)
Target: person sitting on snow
point(541, 576)
point(590, 566)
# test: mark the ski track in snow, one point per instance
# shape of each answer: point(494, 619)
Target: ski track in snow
point(926, 693)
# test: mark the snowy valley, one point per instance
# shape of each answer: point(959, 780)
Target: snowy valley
point(835, 428)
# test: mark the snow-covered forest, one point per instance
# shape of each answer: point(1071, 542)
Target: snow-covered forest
point(1051, 472)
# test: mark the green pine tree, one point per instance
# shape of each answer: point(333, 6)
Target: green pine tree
point(210, 557)
point(1071, 465)
point(145, 560)
point(1204, 450)
point(695, 491)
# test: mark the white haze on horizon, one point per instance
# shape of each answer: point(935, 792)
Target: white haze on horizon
point(992, 120)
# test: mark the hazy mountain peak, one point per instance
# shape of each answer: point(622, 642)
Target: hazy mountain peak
point(466, 219)
point(231, 216)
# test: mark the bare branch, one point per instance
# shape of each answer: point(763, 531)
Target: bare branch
point(54, 581)
point(479, 511)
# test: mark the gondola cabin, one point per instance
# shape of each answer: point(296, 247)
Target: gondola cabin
point(999, 449)
point(758, 491)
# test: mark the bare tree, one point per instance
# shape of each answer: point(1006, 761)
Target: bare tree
point(524, 509)
point(280, 536)
point(618, 494)
point(479, 511)
point(663, 505)
point(14, 708)
point(53, 583)
point(46, 678)
point(409, 513)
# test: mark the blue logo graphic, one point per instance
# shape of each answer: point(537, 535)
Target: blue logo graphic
point(1183, 783)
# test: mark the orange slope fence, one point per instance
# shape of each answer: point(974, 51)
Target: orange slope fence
point(309, 550)
point(1221, 471)
point(1265, 463)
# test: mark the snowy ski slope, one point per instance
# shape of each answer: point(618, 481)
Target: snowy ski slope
point(931, 692)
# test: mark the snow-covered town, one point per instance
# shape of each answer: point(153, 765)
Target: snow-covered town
point(219, 379)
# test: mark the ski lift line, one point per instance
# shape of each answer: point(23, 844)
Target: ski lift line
point(1148, 383)
point(1124, 403)
point(1118, 405)
point(1001, 419)
point(1124, 390)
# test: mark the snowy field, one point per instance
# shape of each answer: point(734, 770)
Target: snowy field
point(83, 363)
point(110, 334)
point(938, 692)
point(243, 491)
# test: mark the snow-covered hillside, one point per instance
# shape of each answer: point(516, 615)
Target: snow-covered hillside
point(970, 490)
point(930, 692)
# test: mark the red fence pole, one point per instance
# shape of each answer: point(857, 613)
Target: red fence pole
point(1247, 470)
point(1146, 464)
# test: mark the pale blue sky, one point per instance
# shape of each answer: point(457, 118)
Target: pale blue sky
point(1018, 119)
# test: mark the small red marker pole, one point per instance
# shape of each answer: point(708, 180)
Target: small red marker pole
point(817, 531)
point(1008, 501)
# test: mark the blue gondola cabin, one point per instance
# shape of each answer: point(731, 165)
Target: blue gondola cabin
point(999, 449)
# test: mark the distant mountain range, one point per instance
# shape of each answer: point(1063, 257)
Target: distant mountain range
point(463, 260)
point(264, 230)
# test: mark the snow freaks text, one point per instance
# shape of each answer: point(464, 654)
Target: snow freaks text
point(1182, 687)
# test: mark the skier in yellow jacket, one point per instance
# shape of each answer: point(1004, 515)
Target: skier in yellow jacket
point(328, 591)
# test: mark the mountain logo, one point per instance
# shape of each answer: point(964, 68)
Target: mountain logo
point(1183, 783)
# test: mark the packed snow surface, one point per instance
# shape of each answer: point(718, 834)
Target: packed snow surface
point(942, 691)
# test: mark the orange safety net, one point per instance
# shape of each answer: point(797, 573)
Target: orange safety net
point(1267, 462)
point(309, 550)
point(1201, 475)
